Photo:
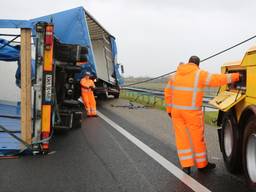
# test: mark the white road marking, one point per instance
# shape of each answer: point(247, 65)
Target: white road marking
point(186, 179)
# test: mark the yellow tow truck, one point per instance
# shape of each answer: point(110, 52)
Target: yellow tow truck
point(237, 117)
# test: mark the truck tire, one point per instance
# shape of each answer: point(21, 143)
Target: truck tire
point(103, 96)
point(249, 150)
point(116, 95)
point(77, 120)
point(230, 143)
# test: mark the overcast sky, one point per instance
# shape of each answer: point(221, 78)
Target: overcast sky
point(153, 36)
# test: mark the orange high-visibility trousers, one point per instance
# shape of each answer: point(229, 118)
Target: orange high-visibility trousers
point(189, 134)
point(89, 102)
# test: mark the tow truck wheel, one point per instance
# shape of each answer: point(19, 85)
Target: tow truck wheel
point(230, 143)
point(249, 150)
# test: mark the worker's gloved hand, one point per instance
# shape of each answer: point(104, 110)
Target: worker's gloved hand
point(91, 87)
point(237, 77)
point(170, 115)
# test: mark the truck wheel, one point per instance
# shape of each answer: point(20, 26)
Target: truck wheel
point(249, 150)
point(116, 95)
point(106, 94)
point(77, 120)
point(103, 96)
point(230, 143)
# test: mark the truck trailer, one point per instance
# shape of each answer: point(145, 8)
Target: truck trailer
point(237, 117)
point(77, 26)
point(66, 46)
point(55, 89)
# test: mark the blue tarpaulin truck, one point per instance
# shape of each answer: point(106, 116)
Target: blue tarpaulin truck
point(77, 26)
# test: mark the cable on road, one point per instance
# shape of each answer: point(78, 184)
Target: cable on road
point(205, 59)
point(131, 106)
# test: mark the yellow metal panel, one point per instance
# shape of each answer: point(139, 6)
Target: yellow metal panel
point(240, 107)
point(251, 82)
point(250, 101)
point(46, 118)
point(226, 99)
point(223, 70)
point(232, 64)
point(249, 58)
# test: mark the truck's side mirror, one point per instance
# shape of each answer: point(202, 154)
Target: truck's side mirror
point(122, 68)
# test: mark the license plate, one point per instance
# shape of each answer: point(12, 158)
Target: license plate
point(48, 88)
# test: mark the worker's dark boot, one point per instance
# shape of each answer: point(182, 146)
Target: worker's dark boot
point(209, 167)
point(187, 170)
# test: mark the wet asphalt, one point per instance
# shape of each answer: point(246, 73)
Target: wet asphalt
point(98, 158)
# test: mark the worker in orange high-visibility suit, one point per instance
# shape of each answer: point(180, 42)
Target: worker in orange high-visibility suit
point(87, 86)
point(183, 96)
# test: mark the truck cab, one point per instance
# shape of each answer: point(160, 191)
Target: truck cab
point(237, 117)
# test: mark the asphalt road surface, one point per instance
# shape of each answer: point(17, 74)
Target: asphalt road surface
point(124, 149)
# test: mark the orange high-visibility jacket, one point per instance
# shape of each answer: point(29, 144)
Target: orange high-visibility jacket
point(87, 84)
point(185, 89)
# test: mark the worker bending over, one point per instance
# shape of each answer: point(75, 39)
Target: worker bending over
point(183, 96)
point(87, 86)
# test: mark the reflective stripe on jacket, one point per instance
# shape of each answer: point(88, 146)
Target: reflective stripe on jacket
point(185, 89)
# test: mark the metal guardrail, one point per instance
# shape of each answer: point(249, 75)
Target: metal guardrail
point(160, 94)
point(144, 90)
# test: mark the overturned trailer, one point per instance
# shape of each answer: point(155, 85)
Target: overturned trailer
point(54, 103)
point(66, 45)
point(77, 26)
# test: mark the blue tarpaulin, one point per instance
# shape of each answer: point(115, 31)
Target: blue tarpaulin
point(7, 23)
point(8, 52)
point(12, 53)
point(70, 27)
point(7, 143)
